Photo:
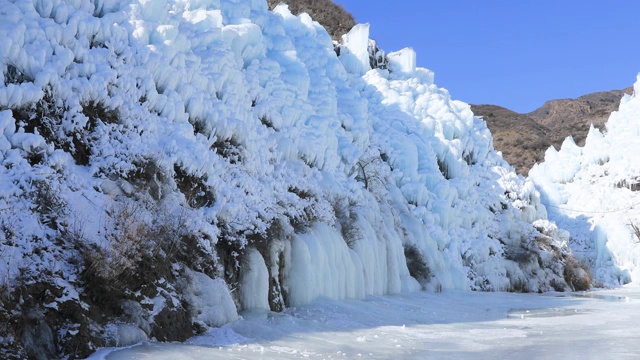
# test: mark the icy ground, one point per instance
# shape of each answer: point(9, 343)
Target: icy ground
point(454, 324)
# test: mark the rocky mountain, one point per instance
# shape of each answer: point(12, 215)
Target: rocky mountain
point(574, 116)
point(333, 17)
point(519, 137)
point(523, 138)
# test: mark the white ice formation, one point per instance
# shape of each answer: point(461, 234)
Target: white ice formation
point(592, 191)
point(157, 144)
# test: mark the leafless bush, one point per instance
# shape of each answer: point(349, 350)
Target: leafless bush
point(344, 211)
point(351, 232)
point(136, 238)
point(230, 149)
point(518, 286)
point(368, 172)
point(194, 188)
point(44, 117)
point(13, 75)
point(636, 231)
point(557, 285)
point(577, 274)
point(48, 205)
point(416, 264)
point(128, 238)
point(149, 175)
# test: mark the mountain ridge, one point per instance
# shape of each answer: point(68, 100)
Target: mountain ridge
point(524, 137)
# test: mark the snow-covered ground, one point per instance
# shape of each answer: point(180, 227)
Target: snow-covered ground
point(453, 324)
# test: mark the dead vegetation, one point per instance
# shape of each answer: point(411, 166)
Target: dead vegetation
point(577, 274)
point(417, 265)
point(636, 230)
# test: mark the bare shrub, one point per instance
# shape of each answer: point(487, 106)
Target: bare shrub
point(416, 264)
point(636, 231)
point(128, 238)
point(351, 232)
point(98, 112)
point(43, 117)
point(230, 149)
point(520, 255)
point(344, 211)
point(142, 257)
point(577, 274)
point(557, 285)
point(79, 141)
point(13, 75)
point(48, 205)
point(518, 286)
point(306, 210)
point(46, 118)
point(135, 239)
point(194, 188)
point(368, 171)
point(148, 175)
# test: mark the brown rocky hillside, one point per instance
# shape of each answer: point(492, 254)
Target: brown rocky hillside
point(573, 116)
point(520, 138)
point(332, 16)
point(523, 138)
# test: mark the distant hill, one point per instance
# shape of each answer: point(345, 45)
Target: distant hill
point(523, 138)
point(332, 16)
point(574, 116)
point(520, 138)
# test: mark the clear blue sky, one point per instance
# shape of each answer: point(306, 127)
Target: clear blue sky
point(513, 53)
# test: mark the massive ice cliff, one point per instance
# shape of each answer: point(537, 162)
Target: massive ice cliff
point(166, 164)
point(593, 192)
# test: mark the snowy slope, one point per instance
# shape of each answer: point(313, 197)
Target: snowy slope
point(168, 163)
point(593, 192)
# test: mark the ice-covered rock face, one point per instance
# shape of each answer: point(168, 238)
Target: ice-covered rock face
point(593, 192)
point(150, 146)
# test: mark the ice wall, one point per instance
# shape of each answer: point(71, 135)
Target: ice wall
point(593, 192)
point(245, 148)
point(403, 61)
point(355, 53)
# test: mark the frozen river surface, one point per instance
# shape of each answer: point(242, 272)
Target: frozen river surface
point(601, 324)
